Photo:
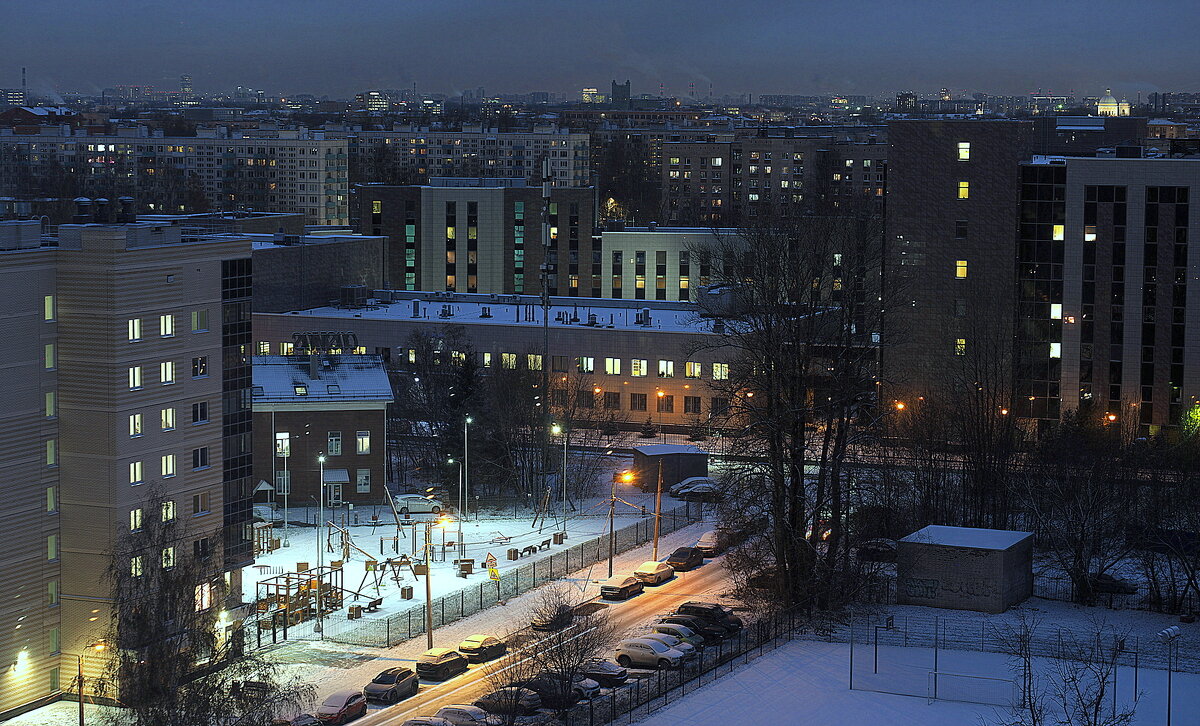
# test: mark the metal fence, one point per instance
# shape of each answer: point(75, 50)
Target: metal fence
point(397, 627)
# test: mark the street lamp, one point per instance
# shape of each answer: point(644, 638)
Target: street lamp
point(557, 429)
point(320, 546)
point(625, 477)
point(464, 490)
point(659, 410)
point(1170, 638)
point(440, 523)
point(99, 645)
point(462, 547)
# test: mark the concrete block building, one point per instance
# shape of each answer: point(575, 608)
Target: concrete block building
point(963, 568)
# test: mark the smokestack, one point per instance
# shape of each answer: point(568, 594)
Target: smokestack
point(102, 211)
point(83, 211)
point(126, 215)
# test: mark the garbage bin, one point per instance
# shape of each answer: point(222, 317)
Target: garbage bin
point(513, 553)
point(559, 537)
point(406, 592)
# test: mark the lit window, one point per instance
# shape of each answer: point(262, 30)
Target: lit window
point(376, 207)
point(637, 367)
point(534, 361)
point(166, 373)
point(964, 151)
point(1089, 233)
point(199, 321)
point(135, 424)
point(51, 499)
point(1056, 311)
point(52, 547)
point(264, 347)
point(167, 465)
point(508, 361)
point(612, 366)
point(135, 472)
point(135, 519)
point(166, 325)
point(135, 566)
point(1059, 232)
point(168, 557)
point(48, 307)
point(287, 348)
point(51, 404)
point(691, 369)
point(52, 592)
point(362, 481)
point(1056, 350)
point(960, 346)
point(200, 367)
point(51, 452)
point(964, 190)
point(363, 442)
point(720, 371)
point(960, 269)
point(49, 356)
point(586, 364)
point(487, 360)
point(168, 510)
point(134, 329)
point(666, 369)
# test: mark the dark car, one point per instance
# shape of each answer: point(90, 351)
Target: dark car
point(438, 664)
point(560, 618)
point(710, 631)
point(514, 701)
point(604, 672)
point(557, 691)
point(392, 685)
point(621, 587)
point(712, 613)
point(686, 558)
point(1109, 585)
point(342, 707)
point(480, 648)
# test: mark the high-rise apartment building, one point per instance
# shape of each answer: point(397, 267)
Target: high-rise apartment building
point(127, 379)
point(482, 235)
point(262, 170)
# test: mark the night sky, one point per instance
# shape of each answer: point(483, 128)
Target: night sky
point(339, 47)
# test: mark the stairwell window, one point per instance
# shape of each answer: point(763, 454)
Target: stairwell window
point(166, 326)
point(134, 331)
point(964, 190)
point(960, 346)
point(964, 151)
point(960, 269)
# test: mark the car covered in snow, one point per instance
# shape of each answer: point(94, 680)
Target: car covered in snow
point(654, 573)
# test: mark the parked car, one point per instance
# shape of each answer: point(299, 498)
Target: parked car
point(685, 558)
point(426, 721)
point(513, 700)
point(439, 664)
point(713, 613)
point(710, 631)
point(621, 587)
point(654, 573)
point(1109, 585)
point(342, 707)
point(877, 550)
point(697, 489)
point(461, 714)
point(417, 504)
point(711, 543)
point(554, 692)
point(688, 650)
point(604, 672)
point(583, 686)
point(392, 685)
point(479, 648)
point(304, 719)
point(557, 620)
point(682, 632)
point(647, 653)
point(690, 483)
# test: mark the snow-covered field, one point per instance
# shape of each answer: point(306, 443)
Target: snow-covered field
point(807, 682)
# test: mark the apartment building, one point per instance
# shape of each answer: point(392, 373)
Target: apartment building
point(129, 378)
point(735, 182)
point(483, 235)
point(266, 170)
point(413, 155)
point(1105, 268)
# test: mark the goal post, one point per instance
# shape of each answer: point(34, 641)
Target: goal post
point(971, 688)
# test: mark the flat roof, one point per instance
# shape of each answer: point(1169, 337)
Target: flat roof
point(341, 377)
point(660, 449)
point(971, 537)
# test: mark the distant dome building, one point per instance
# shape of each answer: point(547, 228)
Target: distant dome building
point(1110, 106)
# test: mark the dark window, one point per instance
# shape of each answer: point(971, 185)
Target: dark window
point(200, 412)
point(612, 400)
point(691, 404)
point(200, 457)
point(666, 404)
point(200, 367)
point(637, 402)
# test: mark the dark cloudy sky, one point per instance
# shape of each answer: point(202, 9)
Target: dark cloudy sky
point(338, 47)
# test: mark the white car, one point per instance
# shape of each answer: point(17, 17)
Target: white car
point(461, 714)
point(417, 504)
point(654, 573)
point(647, 653)
point(688, 650)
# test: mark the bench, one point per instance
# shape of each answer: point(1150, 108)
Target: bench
point(374, 605)
point(531, 549)
point(545, 545)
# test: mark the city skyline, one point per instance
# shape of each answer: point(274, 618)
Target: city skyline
point(1070, 48)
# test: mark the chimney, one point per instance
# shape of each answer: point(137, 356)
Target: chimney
point(83, 211)
point(314, 366)
point(126, 215)
point(102, 211)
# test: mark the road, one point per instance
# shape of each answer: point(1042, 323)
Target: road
point(702, 583)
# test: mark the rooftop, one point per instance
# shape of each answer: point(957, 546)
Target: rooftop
point(341, 377)
point(970, 537)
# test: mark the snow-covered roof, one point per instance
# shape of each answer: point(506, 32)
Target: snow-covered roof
point(660, 449)
point(974, 538)
point(344, 377)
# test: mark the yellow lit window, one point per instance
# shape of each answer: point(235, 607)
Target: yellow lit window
point(1089, 233)
point(1056, 350)
point(964, 190)
point(376, 207)
point(964, 151)
point(960, 346)
point(1059, 232)
point(960, 269)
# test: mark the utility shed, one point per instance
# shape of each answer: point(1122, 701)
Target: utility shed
point(679, 462)
point(963, 568)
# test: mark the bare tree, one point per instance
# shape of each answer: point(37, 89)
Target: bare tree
point(175, 660)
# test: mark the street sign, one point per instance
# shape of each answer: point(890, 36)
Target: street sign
point(490, 564)
point(493, 574)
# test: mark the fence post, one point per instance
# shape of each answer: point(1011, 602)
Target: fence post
point(387, 638)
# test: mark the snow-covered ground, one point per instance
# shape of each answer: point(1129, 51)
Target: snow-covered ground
point(807, 682)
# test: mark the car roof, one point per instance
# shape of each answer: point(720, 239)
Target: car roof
point(651, 564)
point(469, 708)
point(642, 640)
point(619, 580)
point(438, 652)
point(478, 636)
point(343, 694)
point(685, 550)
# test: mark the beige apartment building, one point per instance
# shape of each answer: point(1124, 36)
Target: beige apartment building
point(121, 339)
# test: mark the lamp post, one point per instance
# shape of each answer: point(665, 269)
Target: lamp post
point(626, 477)
point(440, 522)
point(558, 429)
point(320, 547)
point(462, 548)
point(464, 490)
point(659, 410)
point(1170, 638)
point(97, 646)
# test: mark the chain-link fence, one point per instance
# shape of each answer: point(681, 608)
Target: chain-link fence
point(388, 630)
